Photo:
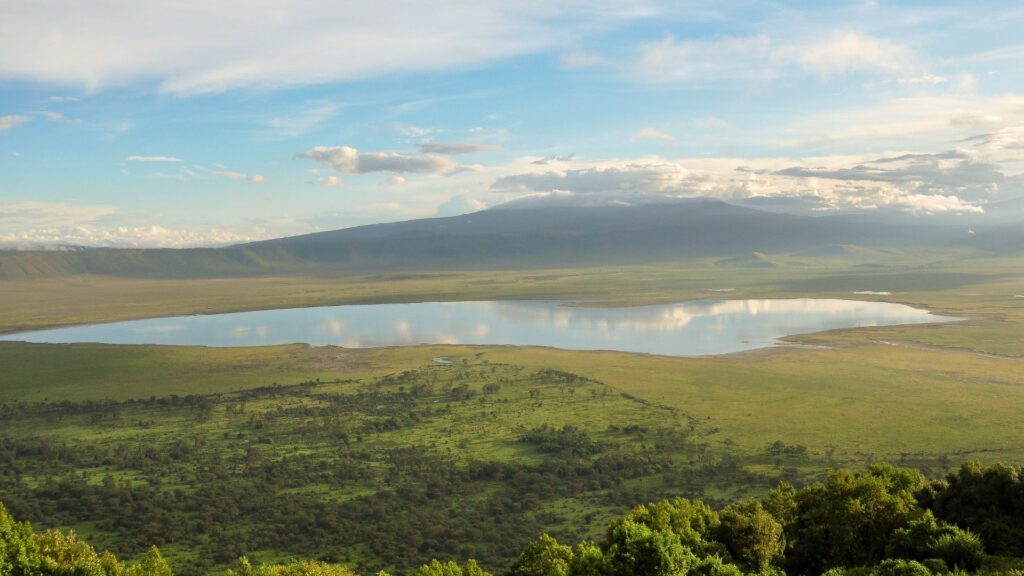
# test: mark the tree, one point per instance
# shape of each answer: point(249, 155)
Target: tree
point(753, 537)
point(304, 568)
point(587, 560)
point(152, 564)
point(714, 566)
point(543, 557)
point(901, 568)
point(693, 522)
point(781, 503)
point(848, 519)
point(19, 555)
point(450, 568)
point(66, 555)
point(635, 548)
point(926, 538)
point(988, 501)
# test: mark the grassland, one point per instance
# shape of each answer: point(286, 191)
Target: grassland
point(376, 471)
point(880, 392)
point(927, 395)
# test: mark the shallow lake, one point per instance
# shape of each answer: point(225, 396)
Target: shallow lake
point(699, 327)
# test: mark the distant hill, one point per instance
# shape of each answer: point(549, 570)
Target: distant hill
point(514, 238)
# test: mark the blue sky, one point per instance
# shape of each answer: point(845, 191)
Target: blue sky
point(181, 123)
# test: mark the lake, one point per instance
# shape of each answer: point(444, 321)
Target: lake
point(693, 328)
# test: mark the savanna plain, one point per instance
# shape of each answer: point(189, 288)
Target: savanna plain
point(388, 458)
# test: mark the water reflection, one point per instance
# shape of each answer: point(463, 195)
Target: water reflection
point(687, 328)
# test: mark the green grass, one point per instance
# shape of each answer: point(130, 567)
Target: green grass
point(924, 395)
point(97, 371)
point(405, 441)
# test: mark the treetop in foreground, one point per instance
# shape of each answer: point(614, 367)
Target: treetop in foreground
point(884, 521)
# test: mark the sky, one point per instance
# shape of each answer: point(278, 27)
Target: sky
point(194, 123)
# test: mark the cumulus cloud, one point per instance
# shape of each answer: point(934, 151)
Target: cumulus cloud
point(454, 148)
point(460, 204)
point(242, 177)
point(653, 134)
point(153, 159)
point(928, 174)
point(612, 178)
point(952, 181)
point(189, 48)
point(7, 122)
point(329, 181)
point(352, 161)
point(553, 159)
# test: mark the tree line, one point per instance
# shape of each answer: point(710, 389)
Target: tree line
point(883, 521)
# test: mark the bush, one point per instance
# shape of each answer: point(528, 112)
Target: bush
point(714, 566)
point(901, 568)
point(295, 569)
point(927, 537)
point(987, 501)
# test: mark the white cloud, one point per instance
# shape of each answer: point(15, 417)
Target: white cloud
point(396, 180)
point(924, 80)
point(916, 121)
point(51, 116)
point(611, 177)
point(242, 176)
point(580, 60)
point(36, 225)
point(953, 181)
point(712, 123)
point(453, 148)
point(120, 237)
point(349, 160)
point(854, 52)
point(7, 122)
point(195, 47)
point(702, 61)
point(763, 57)
point(153, 159)
point(300, 123)
point(329, 181)
point(21, 215)
point(653, 134)
point(936, 204)
point(460, 204)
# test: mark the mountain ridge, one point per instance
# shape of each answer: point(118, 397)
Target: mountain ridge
point(512, 237)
